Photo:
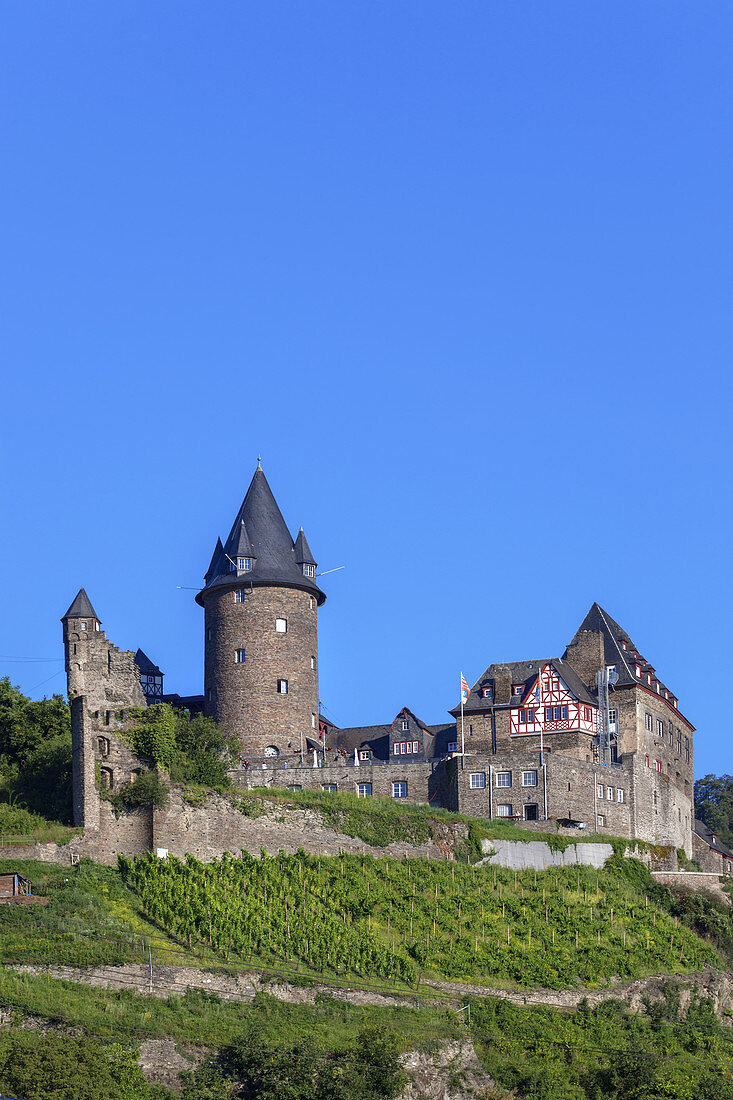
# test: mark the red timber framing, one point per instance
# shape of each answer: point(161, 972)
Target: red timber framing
point(552, 710)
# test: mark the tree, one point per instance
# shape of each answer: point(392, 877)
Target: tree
point(35, 751)
point(714, 805)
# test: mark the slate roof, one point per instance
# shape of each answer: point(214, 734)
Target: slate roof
point(260, 527)
point(707, 835)
point(81, 608)
point(599, 620)
point(145, 665)
point(303, 550)
point(377, 738)
point(525, 673)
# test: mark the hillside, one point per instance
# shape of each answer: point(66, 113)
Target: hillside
point(369, 929)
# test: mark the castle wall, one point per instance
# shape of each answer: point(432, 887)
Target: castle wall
point(243, 696)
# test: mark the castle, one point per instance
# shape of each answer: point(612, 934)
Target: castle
point(592, 739)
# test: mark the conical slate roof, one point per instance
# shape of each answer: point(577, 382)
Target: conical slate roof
point(239, 545)
point(215, 559)
point(303, 550)
point(81, 608)
point(260, 527)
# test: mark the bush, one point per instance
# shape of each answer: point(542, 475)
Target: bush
point(147, 789)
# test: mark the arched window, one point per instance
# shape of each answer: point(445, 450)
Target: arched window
point(105, 779)
point(103, 745)
point(272, 751)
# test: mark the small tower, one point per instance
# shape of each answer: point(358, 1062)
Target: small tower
point(261, 601)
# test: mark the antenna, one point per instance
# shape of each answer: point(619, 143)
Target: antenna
point(323, 574)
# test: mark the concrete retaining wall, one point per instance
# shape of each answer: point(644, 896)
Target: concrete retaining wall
point(520, 855)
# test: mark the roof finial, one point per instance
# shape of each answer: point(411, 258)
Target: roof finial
point(259, 462)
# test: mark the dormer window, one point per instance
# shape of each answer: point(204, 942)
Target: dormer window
point(83, 626)
point(486, 692)
point(624, 646)
point(308, 570)
point(638, 672)
point(517, 689)
point(405, 724)
point(244, 565)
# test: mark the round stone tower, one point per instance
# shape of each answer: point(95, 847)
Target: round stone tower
point(260, 601)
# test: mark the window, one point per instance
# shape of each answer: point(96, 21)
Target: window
point(660, 728)
point(612, 716)
point(658, 765)
point(452, 746)
point(83, 626)
point(649, 678)
point(106, 717)
point(310, 604)
point(677, 779)
point(601, 820)
point(685, 786)
point(313, 721)
point(239, 595)
point(503, 779)
point(548, 714)
point(609, 794)
point(687, 750)
point(478, 781)
point(624, 646)
point(486, 692)
point(522, 715)
point(599, 790)
point(504, 809)
point(563, 712)
point(679, 742)
point(209, 634)
point(272, 751)
point(530, 811)
point(239, 656)
point(400, 748)
point(516, 690)
point(364, 790)
point(619, 795)
point(530, 714)
point(281, 626)
point(310, 571)
point(399, 789)
point(638, 673)
point(106, 781)
point(365, 754)
point(646, 760)
point(586, 714)
point(313, 662)
point(405, 724)
point(329, 786)
point(282, 687)
point(648, 722)
point(416, 746)
point(529, 779)
point(295, 787)
point(244, 564)
point(671, 735)
point(103, 745)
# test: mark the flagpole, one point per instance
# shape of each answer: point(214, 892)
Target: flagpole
point(463, 740)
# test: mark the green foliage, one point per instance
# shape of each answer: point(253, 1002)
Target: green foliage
point(714, 805)
point(389, 919)
point(58, 1067)
point(368, 1069)
point(189, 747)
point(35, 751)
point(545, 1054)
point(147, 789)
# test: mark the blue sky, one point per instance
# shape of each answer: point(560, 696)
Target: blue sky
point(460, 272)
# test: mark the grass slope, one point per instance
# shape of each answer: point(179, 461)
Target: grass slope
point(391, 920)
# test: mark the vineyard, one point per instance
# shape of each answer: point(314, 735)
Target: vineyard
point(393, 920)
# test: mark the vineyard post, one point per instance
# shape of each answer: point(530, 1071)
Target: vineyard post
point(150, 961)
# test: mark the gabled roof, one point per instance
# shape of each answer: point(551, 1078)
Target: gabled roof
point(145, 665)
point(260, 527)
point(81, 608)
point(524, 673)
point(707, 835)
point(303, 551)
point(600, 621)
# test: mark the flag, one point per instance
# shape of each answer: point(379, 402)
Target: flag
point(465, 689)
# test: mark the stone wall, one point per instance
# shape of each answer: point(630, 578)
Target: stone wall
point(423, 780)
point(242, 695)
